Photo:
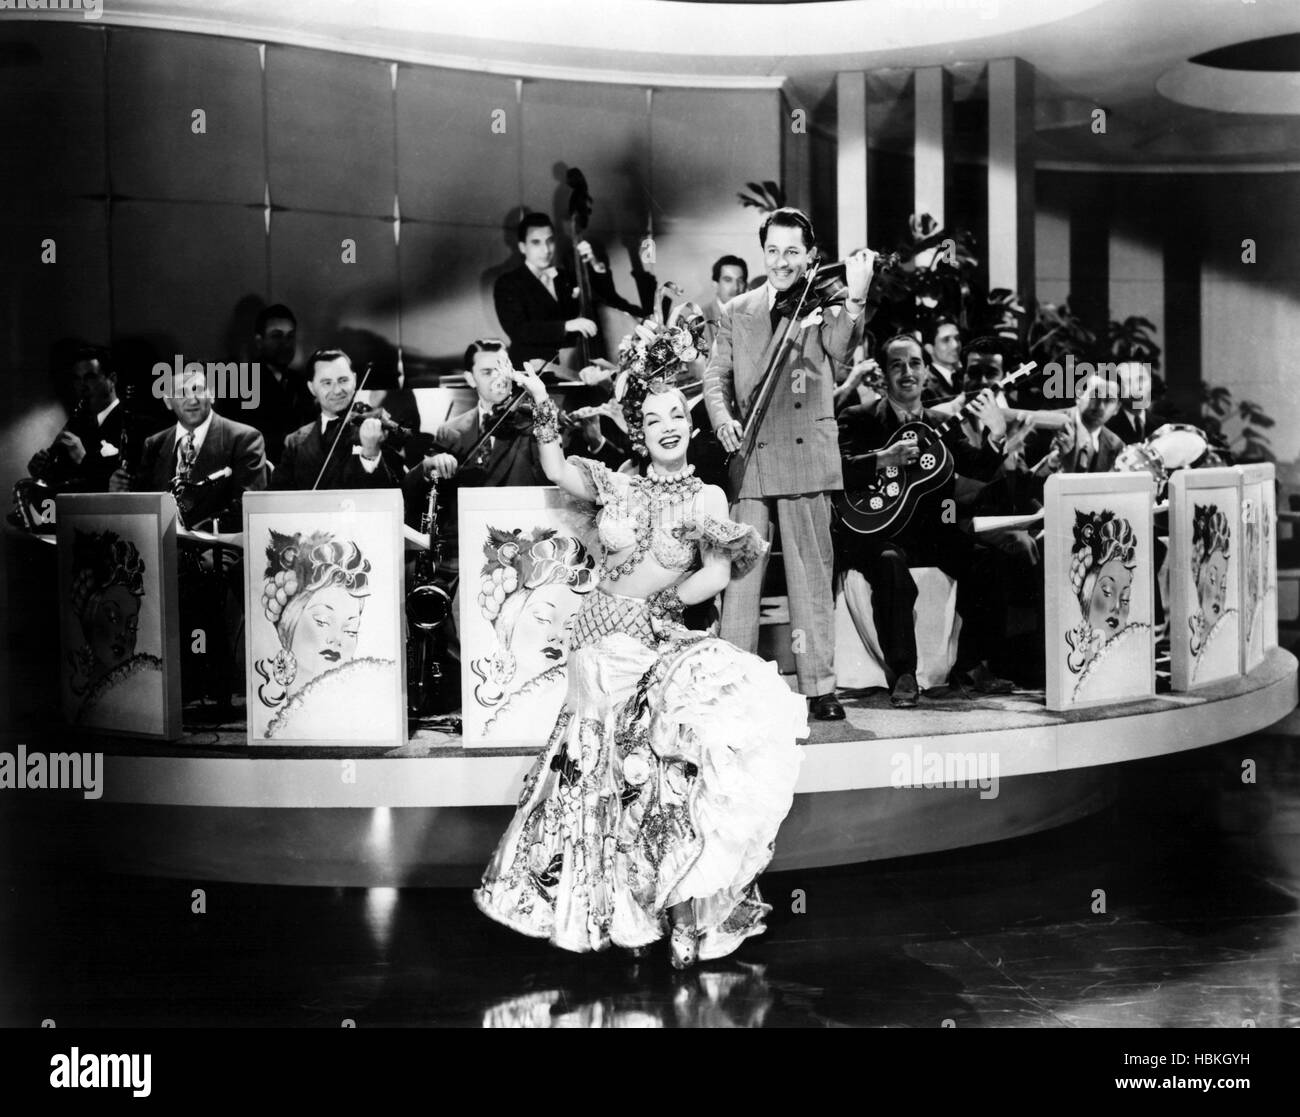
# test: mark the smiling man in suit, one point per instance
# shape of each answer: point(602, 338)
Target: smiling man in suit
point(931, 536)
point(190, 456)
point(796, 463)
point(327, 453)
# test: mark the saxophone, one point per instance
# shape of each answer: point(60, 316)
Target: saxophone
point(428, 605)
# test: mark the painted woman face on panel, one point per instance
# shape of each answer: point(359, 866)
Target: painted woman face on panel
point(1212, 586)
point(327, 633)
point(112, 627)
point(1108, 607)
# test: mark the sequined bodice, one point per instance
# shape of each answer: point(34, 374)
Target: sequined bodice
point(620, 522)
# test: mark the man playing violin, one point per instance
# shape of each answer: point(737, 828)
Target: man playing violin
point(795, 463)
point(337, 450)
point(931, 537)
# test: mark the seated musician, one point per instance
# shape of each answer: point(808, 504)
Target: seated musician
point(284, 403)
point(1012, 492)
point(1138, 416)
point(931, 536)
point(537, 302)
point(1084, 444)
point(87, 451)
point(206, 460)
point(334, 451)
point(944, 371)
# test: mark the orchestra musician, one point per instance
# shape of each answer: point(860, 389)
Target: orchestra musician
point(945, 373)
point(87, 451)
point(284, 403)
point(1084, 444)
point(537, 302)
point(730, 278)
point(931, 537)
point(337, 450)
point(795, 463)
point(207, 460)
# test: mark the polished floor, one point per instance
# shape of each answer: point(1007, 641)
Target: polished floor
point(1200, 873)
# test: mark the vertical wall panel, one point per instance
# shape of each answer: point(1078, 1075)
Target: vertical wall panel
point(179, 272)
point(451, 166)
point(156, 80)
point(336, 303)
point(330, 132)
point(52, 89)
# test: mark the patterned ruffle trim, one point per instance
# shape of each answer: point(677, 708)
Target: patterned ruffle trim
point(740, 542)
point(603, 484)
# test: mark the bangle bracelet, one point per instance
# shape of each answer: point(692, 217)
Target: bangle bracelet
point(666, 605)
point(546, 421)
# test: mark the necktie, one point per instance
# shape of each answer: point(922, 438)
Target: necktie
point(548, 281)
point(1140, 423)
point(185, 456)
point(332, 427)
point(775, 315)
point(1085, 457)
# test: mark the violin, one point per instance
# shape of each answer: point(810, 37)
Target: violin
point(359, 412)
point(828, 288)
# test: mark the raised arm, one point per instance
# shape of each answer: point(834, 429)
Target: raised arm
point(558, 471)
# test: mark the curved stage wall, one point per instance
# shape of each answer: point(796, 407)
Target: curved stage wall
point(430, 813)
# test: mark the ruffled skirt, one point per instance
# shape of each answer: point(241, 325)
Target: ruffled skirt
point(665, 779)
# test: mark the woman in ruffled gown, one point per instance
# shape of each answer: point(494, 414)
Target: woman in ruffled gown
point(656, 802)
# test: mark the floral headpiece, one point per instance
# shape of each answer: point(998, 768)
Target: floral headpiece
point(653, 359)
point(296, 565)
point(1099, 537)
point(103, 559)
point(1210, 533)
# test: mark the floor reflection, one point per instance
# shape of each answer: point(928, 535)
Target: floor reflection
point(1200, 870)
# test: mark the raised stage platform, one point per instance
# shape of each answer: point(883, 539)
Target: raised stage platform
point(208, 807)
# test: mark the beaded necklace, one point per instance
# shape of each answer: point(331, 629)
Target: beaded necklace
point(654, 500)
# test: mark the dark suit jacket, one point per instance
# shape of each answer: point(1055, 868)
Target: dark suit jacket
point(305, 452)
point(1041, 442)
point(534, 322)
point(796, 451)
point(282, 407)
point(865, 428)
point(1122, 426)
point(227, 444)
point(92, 475)
point(937, 389)
point(512, 460)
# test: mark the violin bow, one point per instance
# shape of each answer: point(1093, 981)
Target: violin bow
point(334, 445)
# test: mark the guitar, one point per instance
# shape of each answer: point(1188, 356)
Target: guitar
point(888, 503)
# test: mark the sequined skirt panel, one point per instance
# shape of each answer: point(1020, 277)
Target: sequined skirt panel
point(665, 778)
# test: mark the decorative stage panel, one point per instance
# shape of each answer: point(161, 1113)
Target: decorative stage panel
point(120, 671)
point(1205, 559)
point(526, 560)
point(325, 621)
